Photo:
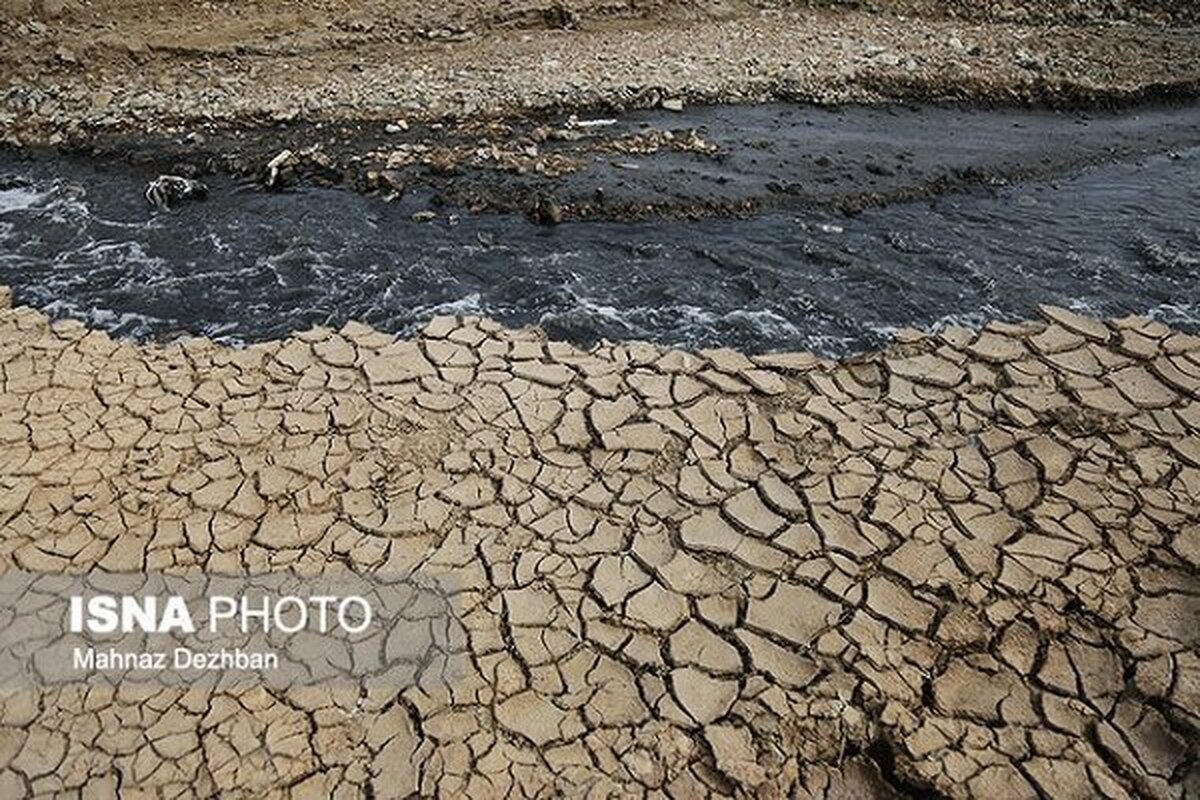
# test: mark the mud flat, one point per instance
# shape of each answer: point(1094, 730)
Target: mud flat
point(965, 566)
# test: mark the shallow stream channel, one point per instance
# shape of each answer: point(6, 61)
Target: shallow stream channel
point(1099, 213)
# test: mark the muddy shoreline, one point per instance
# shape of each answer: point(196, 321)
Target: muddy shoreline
point(472, 102)
point(701, 161)
point(176, 67)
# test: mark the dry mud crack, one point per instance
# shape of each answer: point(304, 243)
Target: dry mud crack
point(963, 567)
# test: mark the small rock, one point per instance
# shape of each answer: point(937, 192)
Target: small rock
point(561, 17)
point(673, 104)
point(56, 8)
point(546, 211)
point(391, 179)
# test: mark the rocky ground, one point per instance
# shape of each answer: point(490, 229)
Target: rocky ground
point(198, 76)
point(962, 567)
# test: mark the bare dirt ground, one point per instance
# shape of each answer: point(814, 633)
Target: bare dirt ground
point(964, 567)
point(70, 69)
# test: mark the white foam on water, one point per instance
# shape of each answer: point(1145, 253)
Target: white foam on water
point(595, 310)
point(1175, 313)
point(693, 325)
point(470, 304)
point(21, 198)
point(124, 323)
point(769, 322)
point(552, 259)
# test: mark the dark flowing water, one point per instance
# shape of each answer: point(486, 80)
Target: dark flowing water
point(77, 240)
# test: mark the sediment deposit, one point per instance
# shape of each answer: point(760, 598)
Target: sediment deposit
point(962, 567)
point(180, 69)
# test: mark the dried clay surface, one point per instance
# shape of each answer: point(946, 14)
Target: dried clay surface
point(962, 567)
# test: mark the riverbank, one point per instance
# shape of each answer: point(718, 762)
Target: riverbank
point(699, 162)
point(179, 69)
point(964, 566)
point(648, 112)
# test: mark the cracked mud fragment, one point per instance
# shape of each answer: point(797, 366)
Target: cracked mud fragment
point(963, 567)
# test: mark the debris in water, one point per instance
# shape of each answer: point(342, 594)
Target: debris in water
point(167, 189)
point(277, 163)
point(575, 122)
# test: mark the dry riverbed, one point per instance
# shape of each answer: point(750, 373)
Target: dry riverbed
point(961, 567)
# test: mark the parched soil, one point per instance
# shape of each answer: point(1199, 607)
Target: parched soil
point(70, 70)
point(963, 567)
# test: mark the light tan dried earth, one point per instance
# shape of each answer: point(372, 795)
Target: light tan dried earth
point(70, 69)
point(962, 567)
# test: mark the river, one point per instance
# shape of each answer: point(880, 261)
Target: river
point(1116, 236)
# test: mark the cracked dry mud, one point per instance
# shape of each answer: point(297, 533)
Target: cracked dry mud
point(963, 567)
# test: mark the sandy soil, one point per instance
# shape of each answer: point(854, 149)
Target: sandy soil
point(71, 69)
point(964, 567)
